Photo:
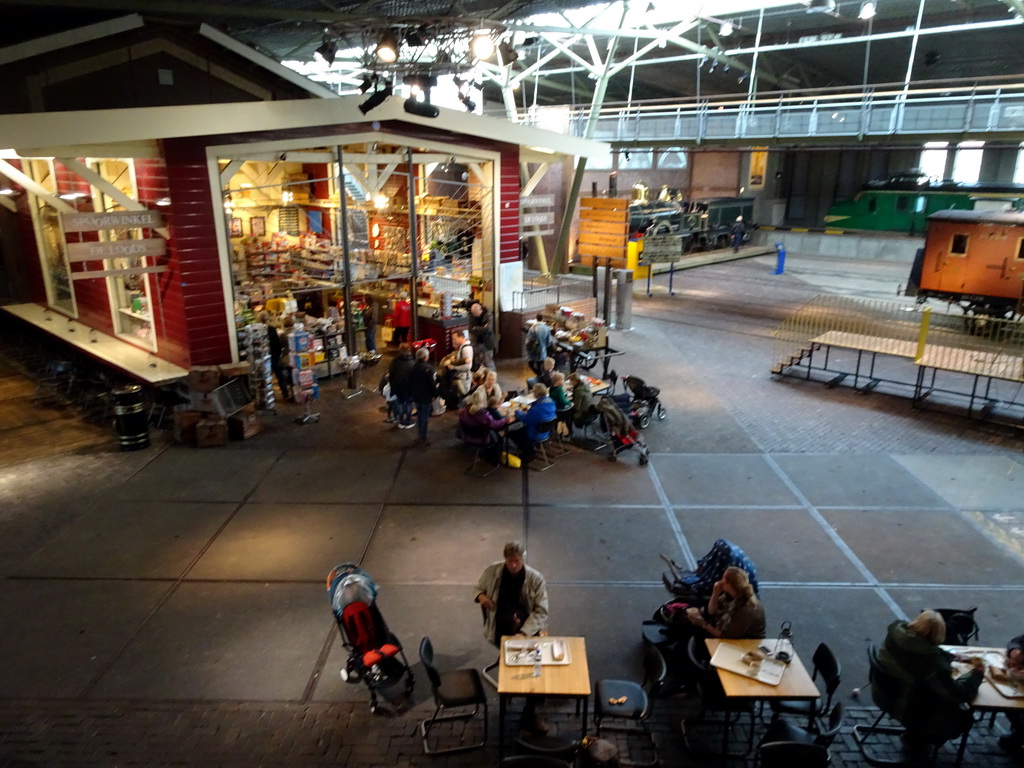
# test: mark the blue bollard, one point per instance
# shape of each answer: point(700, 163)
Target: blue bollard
point(780, 262)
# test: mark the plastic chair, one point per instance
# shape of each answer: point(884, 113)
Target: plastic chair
point(787, 730)
point(788, 754)
point(712, 697)
point(534, 761)
point(626, 700)
point(457, 689)
point(550, 427)
point(826, 665)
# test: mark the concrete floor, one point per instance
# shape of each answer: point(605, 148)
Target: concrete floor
point(168, 607)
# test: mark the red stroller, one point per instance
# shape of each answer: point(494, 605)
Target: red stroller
point(375, 655)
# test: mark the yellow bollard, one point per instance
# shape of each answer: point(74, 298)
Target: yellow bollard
point(922, 334)
point(633, 250)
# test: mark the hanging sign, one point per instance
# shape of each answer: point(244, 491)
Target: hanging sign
point(118, 272)
point(115, 249)
point(94, 222)
point(537, 201)
point(758, 168)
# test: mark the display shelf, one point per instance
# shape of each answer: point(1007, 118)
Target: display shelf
point(137, 315)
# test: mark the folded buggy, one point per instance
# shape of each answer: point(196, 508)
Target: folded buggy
point(622, 433)
point(375, 655)
point(644, 403)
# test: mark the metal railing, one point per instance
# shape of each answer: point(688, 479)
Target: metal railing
point(541, 290)
point(993, 105)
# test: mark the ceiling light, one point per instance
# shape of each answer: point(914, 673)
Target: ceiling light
point(387, 48)
point(821, 6)
point(380, 202)
point(482, 46)
point(421, 108)
point(468, 103)
point(377, 98)
point(726, 29)
point(867, 10)
point(327, 51)
point(507, 53)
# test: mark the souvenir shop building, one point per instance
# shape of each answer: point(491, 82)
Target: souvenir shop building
point(157, 231)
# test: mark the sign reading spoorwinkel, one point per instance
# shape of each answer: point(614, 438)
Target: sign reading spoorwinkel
point(115, 249)
point(94, 222)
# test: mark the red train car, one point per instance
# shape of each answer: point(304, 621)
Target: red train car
point(974, 259)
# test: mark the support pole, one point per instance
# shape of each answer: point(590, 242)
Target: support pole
point(414, 249)
point(346, 261)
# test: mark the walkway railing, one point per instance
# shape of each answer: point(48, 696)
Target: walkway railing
point(541, 290)
point(989, 106)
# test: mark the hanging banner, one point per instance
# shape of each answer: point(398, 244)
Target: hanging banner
point(758, 168)
point(94, 222)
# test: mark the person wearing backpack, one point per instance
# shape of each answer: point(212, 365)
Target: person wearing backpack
point(461, 366)
point(482, 336)
point(538, 339)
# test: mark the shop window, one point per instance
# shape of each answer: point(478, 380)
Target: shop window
point(959, 244)
point(130, 295)
point(672, 159)
point(50, 242)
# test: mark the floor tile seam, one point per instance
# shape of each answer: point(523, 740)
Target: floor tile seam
point(836, 538)
point(112, 660)
point(672, 519)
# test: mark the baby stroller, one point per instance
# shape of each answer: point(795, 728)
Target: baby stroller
point(644, 403)
point(709, 569)
point(375, 655)
point(622, 433)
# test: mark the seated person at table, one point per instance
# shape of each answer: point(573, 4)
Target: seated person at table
point(1013, 741)
point(487, 388)
point(582, 399)
point(541, 411)
point(544, 377)
point(733, 610)
point(479, 428)
point(932, 704)
point(558, 393)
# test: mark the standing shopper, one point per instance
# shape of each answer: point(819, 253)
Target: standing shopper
point(401, 318)
point(538, 340)
point(423, 387)
point(370, 322)
point(399, 377)
point(481, 335)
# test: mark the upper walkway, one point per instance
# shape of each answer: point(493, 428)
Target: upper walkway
point(876, 113)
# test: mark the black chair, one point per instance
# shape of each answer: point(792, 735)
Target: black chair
point(625, 700)
point(790, 754)
point(534, 761)
point(828, 667)
point(961, 627)
point(713, 698)
point(786, 730)
point(480, 434)
point(457, 689)
point(550, 427)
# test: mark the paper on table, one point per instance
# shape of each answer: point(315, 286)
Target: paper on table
point(517, 651)
point(731, 659)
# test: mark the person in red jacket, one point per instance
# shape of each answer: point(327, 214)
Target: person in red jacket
point(401, 318)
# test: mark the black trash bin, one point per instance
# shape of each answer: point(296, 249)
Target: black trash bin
point(130, 415)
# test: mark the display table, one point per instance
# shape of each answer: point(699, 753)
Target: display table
point(557, 680)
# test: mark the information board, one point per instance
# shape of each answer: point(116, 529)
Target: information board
point(661, 248)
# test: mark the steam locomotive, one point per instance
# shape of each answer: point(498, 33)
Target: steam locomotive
point(702, 224)
point(904, 203)
point(974, 259)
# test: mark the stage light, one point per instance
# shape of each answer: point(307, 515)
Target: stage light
point(327, 51)
point(422, 108)
point(482, 46)
point(417, 37)
point(387, 48)
point(507, 53)
point(367, 84)
point(468, 103)
point(867, 10)
point(377, 98)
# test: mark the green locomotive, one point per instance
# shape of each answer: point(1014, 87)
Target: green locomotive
point(904, 202)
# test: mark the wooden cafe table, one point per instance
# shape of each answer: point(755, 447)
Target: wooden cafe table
point(796, 683)
point(569, 681)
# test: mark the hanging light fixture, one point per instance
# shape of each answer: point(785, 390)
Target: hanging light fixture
point(482, 45)
point(867, 10)
point(387, 48)
point(467, 102)
point(726, 29)
point(377, 98)
point(327, 51)
point(367, 84)
point(507, 53)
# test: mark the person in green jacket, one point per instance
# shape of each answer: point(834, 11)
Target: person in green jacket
point(933, 704)
point(557, 392)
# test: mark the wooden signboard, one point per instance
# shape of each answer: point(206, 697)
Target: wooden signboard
point(604, 231)
point(115, 249)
